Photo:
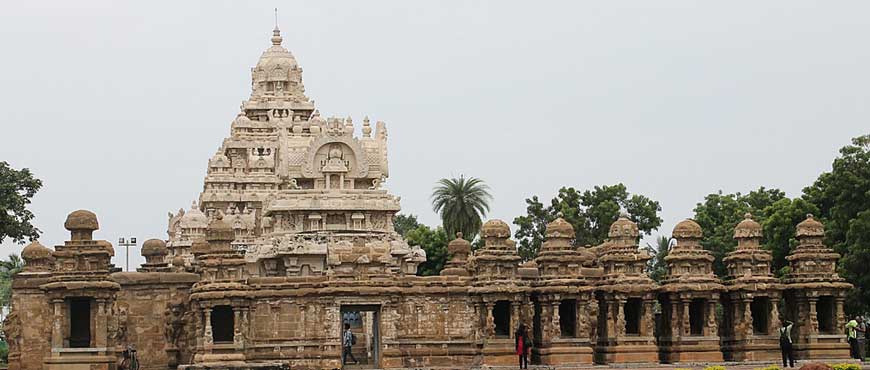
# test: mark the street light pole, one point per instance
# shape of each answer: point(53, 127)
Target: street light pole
point(127, 244)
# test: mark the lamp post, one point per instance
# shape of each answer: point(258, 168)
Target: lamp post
point(127, 245)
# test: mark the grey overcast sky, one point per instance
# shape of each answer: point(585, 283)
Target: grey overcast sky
point(117, 106)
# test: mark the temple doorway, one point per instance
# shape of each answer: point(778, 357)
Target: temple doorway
point(364, 322)
point(80, 322)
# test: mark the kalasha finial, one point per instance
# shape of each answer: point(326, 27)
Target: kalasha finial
point(560, 214)
point(459, 235)
point(276, 33)
point(747, 216)
point(810, 216)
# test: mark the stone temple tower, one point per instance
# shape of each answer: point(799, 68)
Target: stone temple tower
point(302, 194)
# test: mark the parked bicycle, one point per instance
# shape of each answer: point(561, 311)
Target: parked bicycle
point(129, 360)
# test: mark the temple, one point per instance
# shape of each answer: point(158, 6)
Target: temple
point(292, 237)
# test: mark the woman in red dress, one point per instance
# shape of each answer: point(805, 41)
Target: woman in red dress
point(522, 343)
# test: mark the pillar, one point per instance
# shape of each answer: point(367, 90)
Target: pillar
point(774, 317)
point(490, 320)
point(556, 326)
point(620, 317)
point(841, 315)
point(813, 318)
point(207, 334)
point(237, 327)
point(711, 328)
point(100, 335)
point(685, 324)
point(57, 324)
point(747, 318)
point(515, 316)
point(675, 319)
point(647, 327)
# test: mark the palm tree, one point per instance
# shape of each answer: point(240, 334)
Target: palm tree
point(657, 267)
point(7, 270)
point(462, 203)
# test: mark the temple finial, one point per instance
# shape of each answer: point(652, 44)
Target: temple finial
point(276, 33)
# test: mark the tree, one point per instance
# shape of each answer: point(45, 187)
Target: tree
point(7, 270)
point(17, 187)
point(719, 213)
point(843, 200)
point(657, 267)
point(780, 222)
point(462, 203)
point(434, 242)
point(590, 212)
point(404, 223)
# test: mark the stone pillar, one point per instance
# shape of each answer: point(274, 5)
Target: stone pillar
point(747, 318)
point(101, 335)
point(774, 317)
point(647, 327)
point(57, 324)
point(813, 319)
point(841, 315)
point(685, 323)
point(675, 319)
point(207, 333)
point(515, 316)
point(711, 329)
point(490, 320)
point(620, 317)
point(556, 323)
point(237, 327)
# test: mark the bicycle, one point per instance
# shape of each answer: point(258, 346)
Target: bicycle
point(129, 361)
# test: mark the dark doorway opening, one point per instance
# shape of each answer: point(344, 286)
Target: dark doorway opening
point(632, 316)
point(696, 316)
point(760, 308)
point(825, 315)
point(79, 322)
point(222, 323)
point(501, 314)
point(568, 318)
point(364, 323)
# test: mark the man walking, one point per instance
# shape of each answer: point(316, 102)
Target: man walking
point(852, 335)
point(785, 344)
point(347, 342)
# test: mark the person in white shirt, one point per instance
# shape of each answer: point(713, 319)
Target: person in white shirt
point(785, 344)
point(346, 344)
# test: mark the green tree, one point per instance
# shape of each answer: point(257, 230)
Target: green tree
point(434, 242)
point(17, 187)
point(843, 199)
point(657, 267)
point(781, 219)
point(719, 213)
point(462, 203)
point(8, 269)
point(403, 223)
point(590, 212)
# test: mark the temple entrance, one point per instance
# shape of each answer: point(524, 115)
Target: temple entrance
point(222, 323)
point(79, 322)
point(364, 322)
point(568, 318)
point(501, 314)
point(632, 316)
point(760, 308)
point(825, 315)
point(696, 316)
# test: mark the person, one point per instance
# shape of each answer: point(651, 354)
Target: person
point(861, 337)
point(852, 335)
point(785, 344)
point(522, 343)
point(347, 342)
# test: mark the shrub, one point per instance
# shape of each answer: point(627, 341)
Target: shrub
point(715, 367)
point(771, 367)
point(846, 367)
